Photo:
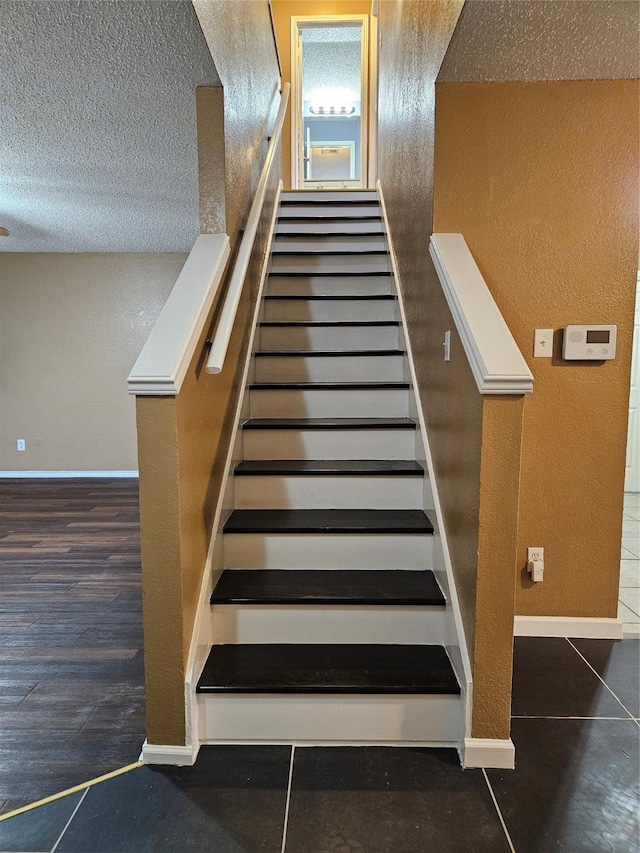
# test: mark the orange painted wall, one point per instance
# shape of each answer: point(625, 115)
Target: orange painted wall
point(542, 180)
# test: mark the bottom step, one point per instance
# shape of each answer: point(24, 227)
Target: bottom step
point(285, 693)
point(328, 668)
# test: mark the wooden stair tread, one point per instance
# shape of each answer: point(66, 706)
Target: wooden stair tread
point(321, 353)
point(326, 467)
point(330, 423)
point(328, 668)
point(328, 386)
point(334, 586)
point(338, 521)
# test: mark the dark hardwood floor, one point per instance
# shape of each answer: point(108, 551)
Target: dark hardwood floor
point(71, 665)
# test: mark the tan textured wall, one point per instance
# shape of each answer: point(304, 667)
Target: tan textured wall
point(163, 620)
point(542, 180)
point(71, 328)
point(184, 441)
point(495, 576)
point(500, 40)
point(283, 11)
point(414, 38)
point(474, 441)
point(240, 39)
point(211, 159)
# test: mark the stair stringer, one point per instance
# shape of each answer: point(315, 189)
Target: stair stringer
point(201, 637)
point(454, 634)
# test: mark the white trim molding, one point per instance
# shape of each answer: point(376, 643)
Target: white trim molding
point(489, 752)
point(52, 475)
point(181, 756)
point(498, 365)
point(165, 357)
point(582, 627)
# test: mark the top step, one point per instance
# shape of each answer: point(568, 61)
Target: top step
point(329, 196)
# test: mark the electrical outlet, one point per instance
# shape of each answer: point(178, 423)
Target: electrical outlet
point(21, 444)
point(536, 554)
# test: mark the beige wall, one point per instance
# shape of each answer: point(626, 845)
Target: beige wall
point(240, 39)
point(542, 180)
point(283, 11)
point(71, 328)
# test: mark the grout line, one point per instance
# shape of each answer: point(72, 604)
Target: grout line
point(495, 803)
point(288, 803)
point(66, 826)
point(601, 679)
point(566, 717)
point(74, 790)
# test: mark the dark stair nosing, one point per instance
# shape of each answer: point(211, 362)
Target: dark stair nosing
point(338, 521)
point(321, 253)
point(290, 202)
point(330, 423)
point(304, 235)
point(316, 353)
point(321, 668)
point(329, 386)
point(329, 323)
point(321, 218)
point(338, 297)
point(331, 587)
point(328, 468)
point(333, 274)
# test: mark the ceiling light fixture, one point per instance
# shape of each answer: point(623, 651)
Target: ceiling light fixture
point(321, 110)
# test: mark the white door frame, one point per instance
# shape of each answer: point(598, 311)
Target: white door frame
point(298, 23)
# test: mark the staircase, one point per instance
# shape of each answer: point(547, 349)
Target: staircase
point(327, 621)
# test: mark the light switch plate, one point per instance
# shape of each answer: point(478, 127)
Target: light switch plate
point(543, 343)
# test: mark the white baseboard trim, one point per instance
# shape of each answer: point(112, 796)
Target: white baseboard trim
point(181, 756)
point(34, 475)
point(582, 627)
point(489, 752)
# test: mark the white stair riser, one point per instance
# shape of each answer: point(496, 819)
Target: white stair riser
point(337, 226)
point(342, 403)
point(329, 263)
point(329, 310)
point(327, 551)
point(311, 285)
point(319, 197)
point(276, 492)
point(329, 337)
point(328, 623)
point(364, 368)
point(306, 243)
point(329, 444)
point(337, 719)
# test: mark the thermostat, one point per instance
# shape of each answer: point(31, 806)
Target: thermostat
point(589, 343)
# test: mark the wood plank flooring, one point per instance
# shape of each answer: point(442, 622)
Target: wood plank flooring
point(71, 664)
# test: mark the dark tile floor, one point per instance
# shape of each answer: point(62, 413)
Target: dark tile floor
point(575, 788)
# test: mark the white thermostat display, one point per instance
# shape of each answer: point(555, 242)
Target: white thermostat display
point(589, 343)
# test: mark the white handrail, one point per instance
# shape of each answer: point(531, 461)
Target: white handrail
point(498, 365)
point(222, 335)
point(165, 357)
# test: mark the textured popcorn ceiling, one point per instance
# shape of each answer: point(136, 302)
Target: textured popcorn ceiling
point(528, 40)
point(331, 35)
point(98, 125)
